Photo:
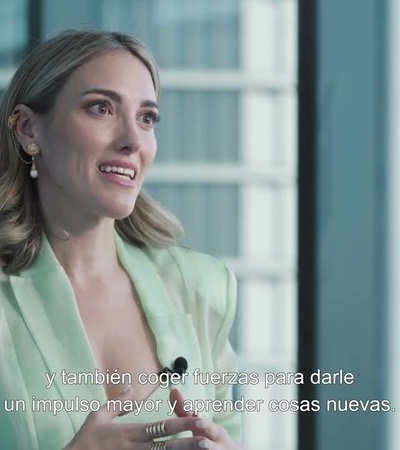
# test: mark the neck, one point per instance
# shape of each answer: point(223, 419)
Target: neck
point(82, 241)
point(86, 254)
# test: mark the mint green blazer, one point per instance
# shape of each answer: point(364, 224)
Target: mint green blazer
point(189, 301)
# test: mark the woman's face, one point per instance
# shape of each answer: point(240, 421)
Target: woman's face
point(98, 142)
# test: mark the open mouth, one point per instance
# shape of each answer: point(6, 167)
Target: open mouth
point(125, 173)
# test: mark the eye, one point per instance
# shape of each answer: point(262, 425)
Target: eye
point(102, 108)
point(150, 119)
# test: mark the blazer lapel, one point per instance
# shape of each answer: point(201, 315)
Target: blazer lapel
point(48, 307)
point(172, 327)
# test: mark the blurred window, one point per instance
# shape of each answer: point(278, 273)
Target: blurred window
point(13, 37)
point(226, 165)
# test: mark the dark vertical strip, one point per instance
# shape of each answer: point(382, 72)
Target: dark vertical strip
point(307, 214)
point(34, 22)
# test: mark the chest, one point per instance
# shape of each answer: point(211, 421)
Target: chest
point(118, 332)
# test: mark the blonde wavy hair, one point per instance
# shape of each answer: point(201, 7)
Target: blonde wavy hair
point(36, 84)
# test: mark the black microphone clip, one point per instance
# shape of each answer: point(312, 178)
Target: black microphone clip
point(179, 366)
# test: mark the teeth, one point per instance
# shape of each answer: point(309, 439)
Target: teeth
point(118, 170)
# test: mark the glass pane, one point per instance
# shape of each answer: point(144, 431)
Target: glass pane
point(181, 33)
point(198, 126)
point(13, 32)
point(209, 215)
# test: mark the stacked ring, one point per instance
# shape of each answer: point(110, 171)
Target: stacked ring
point(160, 445)
point(155, 430)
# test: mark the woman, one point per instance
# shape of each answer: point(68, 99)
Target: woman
point(91, 282)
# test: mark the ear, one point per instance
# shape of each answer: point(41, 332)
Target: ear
point(26, 128)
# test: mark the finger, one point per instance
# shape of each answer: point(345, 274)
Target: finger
point(193, 443)
point(210, 430)
point(109, 411)
point(176, 396)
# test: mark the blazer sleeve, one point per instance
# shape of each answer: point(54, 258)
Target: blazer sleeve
point(225, 360)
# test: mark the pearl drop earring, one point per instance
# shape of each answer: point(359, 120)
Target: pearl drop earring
point(33, 150)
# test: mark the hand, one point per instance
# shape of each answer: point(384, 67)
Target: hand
point(217, 437)
point(99, 433)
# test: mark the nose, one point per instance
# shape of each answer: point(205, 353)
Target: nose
point(129, 136)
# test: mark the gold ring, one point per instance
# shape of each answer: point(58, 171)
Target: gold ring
point(160, 445)
point(156, 430)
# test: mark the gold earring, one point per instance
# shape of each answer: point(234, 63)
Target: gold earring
point(12, 120)
point(33, 150)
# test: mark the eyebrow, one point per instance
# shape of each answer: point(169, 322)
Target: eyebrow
point(117, 98)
